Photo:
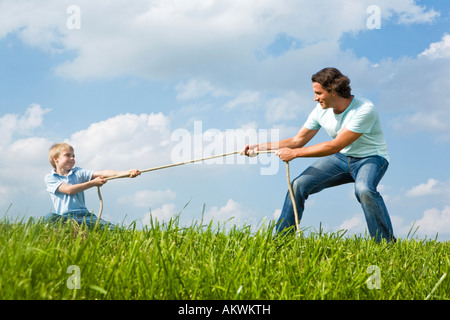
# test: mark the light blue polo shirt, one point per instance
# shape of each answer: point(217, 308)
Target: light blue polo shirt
point(361, 116)
point(63, 202)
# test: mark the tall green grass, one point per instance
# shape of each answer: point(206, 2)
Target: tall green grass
point(168, 261)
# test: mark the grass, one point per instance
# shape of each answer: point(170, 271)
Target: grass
point(167, 261)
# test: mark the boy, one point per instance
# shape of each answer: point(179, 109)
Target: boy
point(66, 184)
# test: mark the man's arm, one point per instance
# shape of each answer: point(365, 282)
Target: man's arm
point(303, 136)
point(342, 140)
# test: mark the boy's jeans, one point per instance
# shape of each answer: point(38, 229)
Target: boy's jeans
point(335, 170)
point(89, 219)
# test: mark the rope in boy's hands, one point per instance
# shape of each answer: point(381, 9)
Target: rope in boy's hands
point(250, 150)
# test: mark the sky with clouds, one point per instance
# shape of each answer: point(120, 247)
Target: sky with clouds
point(147, 83)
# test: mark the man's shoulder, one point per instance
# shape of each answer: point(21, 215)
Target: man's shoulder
point(362, 103)
point(363, 106)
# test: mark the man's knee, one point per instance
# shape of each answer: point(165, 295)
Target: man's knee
point(364, 192)
point(300, 186)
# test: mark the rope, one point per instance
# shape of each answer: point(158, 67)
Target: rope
point(197, 160)
point(291, 193)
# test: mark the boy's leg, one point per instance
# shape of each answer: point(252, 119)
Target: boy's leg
point(89, 219)
point(101, 223)
point(324, 173)
point(53, 218)
point(368, 173)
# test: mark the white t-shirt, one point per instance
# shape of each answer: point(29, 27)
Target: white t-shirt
point(361, 116)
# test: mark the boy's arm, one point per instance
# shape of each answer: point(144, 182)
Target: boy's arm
point(98, 180)
point(113, 173)
point(76, 188)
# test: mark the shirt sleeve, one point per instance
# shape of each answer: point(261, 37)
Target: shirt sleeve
point(52, 183)
point(363, 120)
point(84, 175)
point(312, 122)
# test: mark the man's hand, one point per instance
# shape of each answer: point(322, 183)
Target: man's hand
point(250, 150)
point(134, 173)
point(286, 154)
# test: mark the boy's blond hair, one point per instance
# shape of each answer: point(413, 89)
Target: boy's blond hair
point(56, 150)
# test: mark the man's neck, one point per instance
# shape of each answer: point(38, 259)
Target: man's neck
point(342, 104)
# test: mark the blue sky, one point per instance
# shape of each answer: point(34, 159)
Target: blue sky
point(123, 82)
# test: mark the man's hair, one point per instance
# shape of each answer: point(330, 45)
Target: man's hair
point(332, 80)
point(56, 150)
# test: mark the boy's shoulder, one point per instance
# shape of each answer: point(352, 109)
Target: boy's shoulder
point(76, 170)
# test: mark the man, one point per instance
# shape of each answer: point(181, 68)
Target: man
point(357, 153)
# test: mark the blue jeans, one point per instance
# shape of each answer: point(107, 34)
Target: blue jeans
point(87, 219)
point(335, 170)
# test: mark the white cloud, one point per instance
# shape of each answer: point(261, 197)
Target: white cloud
point(165, 213)
point(431, 187)
point(276, 214)
point(215, 45)
point(123, 142)
point(438, 49)
point(355, 224)
point(432, 222)
point(435, 221)
point(177, 38)
point(287, 107)
point(413, 87)
point(436, 121)
point(246, 99)
point(14, 124)
point(416, 14)
point(23, 160)
point(148, 198)
point(232, 213)
point(194, 89)
point(17, 152)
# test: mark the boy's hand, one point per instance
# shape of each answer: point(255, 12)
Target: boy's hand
point(134, 173)
point(99, 181)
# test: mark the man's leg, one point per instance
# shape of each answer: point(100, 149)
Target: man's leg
point(324, 173)
point(368, 173)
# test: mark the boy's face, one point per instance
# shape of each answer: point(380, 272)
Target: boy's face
point(66, 160)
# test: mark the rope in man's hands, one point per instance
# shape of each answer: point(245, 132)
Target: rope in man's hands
point(253, 153)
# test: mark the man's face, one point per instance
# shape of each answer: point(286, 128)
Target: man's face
point(322, 96)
